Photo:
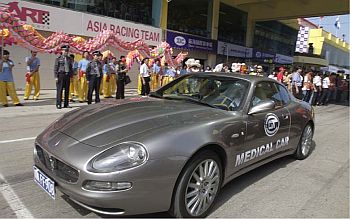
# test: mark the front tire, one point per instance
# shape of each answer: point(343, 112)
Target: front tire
point(198, 186)
point(304, 148)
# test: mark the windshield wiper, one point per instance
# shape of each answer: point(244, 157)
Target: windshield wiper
point(154, 94)
point(192, 100)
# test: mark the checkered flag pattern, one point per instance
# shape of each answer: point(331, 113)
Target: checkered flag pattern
point(46, 19)
point(302, 40)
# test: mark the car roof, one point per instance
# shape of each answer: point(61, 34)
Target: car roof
point(251, 78)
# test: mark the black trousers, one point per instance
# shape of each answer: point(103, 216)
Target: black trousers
point(145, 87)
point(297, 95)
point(94, 85)
point(307, 96)
point(63, 82)
point(120, 86)
point(324, 97)
point(317, 95)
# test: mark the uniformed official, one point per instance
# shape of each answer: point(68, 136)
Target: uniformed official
point(93, 76)
point(122, 70)
point(63, 70)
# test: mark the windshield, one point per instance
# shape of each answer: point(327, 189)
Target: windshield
point(219, 92)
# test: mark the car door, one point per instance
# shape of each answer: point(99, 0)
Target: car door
point(267, 132)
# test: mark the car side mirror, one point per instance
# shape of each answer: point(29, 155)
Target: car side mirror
point(262, 106)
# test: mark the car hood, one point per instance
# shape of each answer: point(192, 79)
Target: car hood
point(112, 121)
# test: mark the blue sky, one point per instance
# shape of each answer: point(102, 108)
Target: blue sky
point(328, 24)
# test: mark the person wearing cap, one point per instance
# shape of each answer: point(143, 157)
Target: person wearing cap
point(7, 85)
point(33, 64)
point(193, 65)
point(82, 65)
point(280, 74)
point(145, 77)
point(73, 87)
point(93, 76)
point(63, 70)
point(121, 76)
point(259, 71)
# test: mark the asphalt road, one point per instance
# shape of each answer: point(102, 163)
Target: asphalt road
point(315, 187)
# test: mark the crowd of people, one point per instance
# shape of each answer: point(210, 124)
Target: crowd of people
point(107, 76)
point(82, 79)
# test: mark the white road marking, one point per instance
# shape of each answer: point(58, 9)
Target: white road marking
point(18, 139)
point(13, 200)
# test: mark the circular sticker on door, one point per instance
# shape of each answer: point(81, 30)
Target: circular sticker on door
point(271, 124)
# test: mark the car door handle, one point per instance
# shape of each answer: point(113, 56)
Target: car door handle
point(285, 116)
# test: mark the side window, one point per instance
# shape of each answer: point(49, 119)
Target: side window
point(284, 94)
point(266, 91)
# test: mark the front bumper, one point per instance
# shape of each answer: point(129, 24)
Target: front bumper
point(152, 188)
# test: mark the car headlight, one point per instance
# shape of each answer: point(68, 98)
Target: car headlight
point(120, 157)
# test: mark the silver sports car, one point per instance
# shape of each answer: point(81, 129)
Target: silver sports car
point(174, 150)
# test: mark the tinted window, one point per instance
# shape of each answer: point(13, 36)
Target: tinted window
point(224, 93)
point(285, 98)
point(266, 91)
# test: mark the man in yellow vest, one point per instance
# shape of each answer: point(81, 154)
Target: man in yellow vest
point(7, 85)
point(32, 76)
point(82, 65)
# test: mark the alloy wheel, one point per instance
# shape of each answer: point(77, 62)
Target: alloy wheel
point(202, 187)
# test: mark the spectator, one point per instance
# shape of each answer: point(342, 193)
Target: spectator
point(7, 85)
point(145, 77)
point(33, 78)
point(297, 83)
point(317, 81)
point(325, 87)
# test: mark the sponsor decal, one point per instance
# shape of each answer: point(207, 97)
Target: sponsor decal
point(271, 124)
point(258, 54)
point(180, 41)
point(191, 42)
point(28, 14)
point(260, 151)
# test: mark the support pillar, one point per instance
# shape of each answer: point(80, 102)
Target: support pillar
point(249, 39)
point(214, 28)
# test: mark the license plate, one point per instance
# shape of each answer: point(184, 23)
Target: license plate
point(47, 184)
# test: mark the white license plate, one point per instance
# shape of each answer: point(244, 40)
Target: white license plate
point(47, 184)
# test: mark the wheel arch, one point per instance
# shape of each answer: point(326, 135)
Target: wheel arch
point(214, 147)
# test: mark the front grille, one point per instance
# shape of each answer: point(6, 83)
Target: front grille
point(57, 167)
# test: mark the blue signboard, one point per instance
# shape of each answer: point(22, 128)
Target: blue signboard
point(190, 42)
point(262, 55)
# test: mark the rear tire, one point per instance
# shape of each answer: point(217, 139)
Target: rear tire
point(304, 147)
point(198, 186)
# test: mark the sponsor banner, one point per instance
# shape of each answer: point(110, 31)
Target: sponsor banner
point(190, 42)
point(283, 59)
point(263, 55)
point(234, 50)
point(54, 19)
point(125, 30)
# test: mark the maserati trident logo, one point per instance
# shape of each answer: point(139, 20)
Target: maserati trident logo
point(271, 124)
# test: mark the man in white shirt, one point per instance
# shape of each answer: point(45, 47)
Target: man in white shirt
point(325, 87)
point(317, 82)
point(145, 77)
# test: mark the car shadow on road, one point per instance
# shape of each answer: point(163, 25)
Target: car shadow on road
point(227, 192)
point(240, 183)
